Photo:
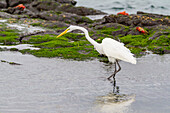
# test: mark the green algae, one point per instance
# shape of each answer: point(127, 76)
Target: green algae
point(135, 40)
point(68, 53)
point(108, 30)
point(13, 49)
point(163, 40)
point(75, 46)
point(66, 46)
point(160, 44)
point(8, 36)
point(39, 39)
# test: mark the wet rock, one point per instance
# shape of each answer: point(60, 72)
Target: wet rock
point(120, 28)
point(83, 11)
point(136, 20)
point(150, 14)
point(27, 35)
point(133, 32)
point(11, 63)
point(110, 19)
point(55, 24)
point(64, 17)
point(62, 6)
point(7, 15)
point(115, 25)
point(2, 4)
point(12, 3)
point(44, 5)
point(167, 51)
point(14, 10)
point(67, 1)
point(121, 19)
point(158, 34)
point(159, 50)
point(59, 14)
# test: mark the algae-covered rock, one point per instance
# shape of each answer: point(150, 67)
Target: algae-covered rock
point(135, 20)
point(56, 15)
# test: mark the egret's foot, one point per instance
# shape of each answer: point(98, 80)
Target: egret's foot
point(113, 75)
point(109, 78)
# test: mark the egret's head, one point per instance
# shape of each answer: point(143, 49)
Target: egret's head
point(69, 29)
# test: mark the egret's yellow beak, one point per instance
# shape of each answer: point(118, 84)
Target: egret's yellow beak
point(63, 33)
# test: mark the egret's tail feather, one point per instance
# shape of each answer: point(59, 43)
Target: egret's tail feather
point(133, 61)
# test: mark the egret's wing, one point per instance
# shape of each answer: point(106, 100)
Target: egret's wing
point(117, 50)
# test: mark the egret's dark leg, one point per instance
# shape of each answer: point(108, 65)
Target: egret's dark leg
point(114, 85)
point(113, 75)
point(118, 69)
point(118, 66)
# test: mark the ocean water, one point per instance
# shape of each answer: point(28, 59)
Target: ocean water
point(130, 6)
point(53, 85)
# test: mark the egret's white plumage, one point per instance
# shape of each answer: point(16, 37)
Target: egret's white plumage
point(116, 50)
point(113, 49)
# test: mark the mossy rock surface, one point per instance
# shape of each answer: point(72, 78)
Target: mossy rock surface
point(74, 45)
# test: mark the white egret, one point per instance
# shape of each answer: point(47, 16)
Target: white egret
point(111, 48)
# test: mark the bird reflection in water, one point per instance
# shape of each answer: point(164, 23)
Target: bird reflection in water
point(115, 88)
point(114, 102)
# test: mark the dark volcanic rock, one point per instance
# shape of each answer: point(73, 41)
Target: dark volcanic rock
point(34, 7)
point(150, 14)
point(121, 29)
point(69, 8)
point(44, 5)
point(7, 15)
point(83, 11)
point(64, 17)
point(167, 51)
point(133, 32)
point(67, 1)
point(115, 25)
point(121, 19)
point(12, 3)
point(14, 11)
point(136, 20)
point(2, 4)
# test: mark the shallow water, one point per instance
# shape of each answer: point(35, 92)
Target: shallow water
point(20, 47)
point(23, 28)
point(130, 6)
point(53, 85)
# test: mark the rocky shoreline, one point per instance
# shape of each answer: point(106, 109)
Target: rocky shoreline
point(57, 15)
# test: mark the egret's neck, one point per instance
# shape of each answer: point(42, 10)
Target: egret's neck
point(88, 37)
point(93, 42)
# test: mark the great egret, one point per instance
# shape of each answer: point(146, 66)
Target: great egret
point(111, 48)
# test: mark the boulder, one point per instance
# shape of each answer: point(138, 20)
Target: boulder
point(2, 4)
point(83, 11)
point(136, 20)
point(64, 17)
point(44, 5)
point(7, 15)
point(67, 1)
point(12, 3)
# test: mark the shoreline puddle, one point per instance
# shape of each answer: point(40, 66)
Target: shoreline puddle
point(20, 47)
